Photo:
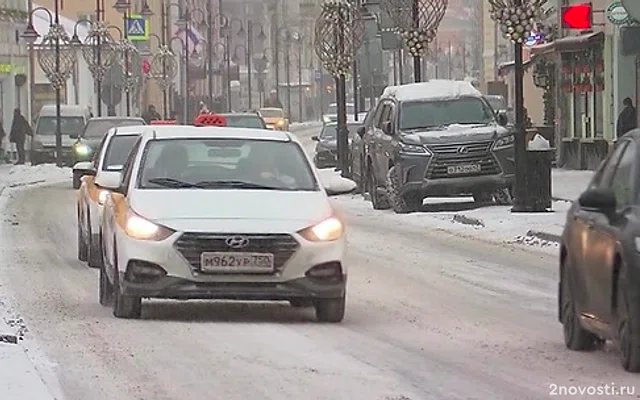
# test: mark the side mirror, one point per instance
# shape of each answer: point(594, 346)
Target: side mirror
point(315, 138)
point(599, 200)
point(387, 129)
point(84, 168)
point(109, 180)
point(361, 131)
point(503, 120)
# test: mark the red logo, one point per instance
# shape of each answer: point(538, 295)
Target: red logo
point(577, 16)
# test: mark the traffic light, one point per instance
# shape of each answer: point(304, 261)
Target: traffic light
point(577, 16)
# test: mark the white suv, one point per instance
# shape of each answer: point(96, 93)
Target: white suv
point(221, 213)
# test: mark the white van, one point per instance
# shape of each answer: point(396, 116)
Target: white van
point(43, 144)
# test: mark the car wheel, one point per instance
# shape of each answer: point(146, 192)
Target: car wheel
point(483, 197)
point(628, 331)
point(378, 200)
point(94, 248)
point(83, 249)
point(330, 310)
point(76, 180)
point(105, 289)
point(301, 303)
point(575, 336)
point(401, 204)
point(127, 307)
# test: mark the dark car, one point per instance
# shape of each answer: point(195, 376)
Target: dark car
point(327, 147)
point(499, 105)
point(599, 288)
point(94, 131)
point(245, 120)
point(440, 138)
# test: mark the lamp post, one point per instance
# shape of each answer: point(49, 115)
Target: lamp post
point(250, 51)
point(336, 43)
point(299, 40)
point(58, 65)
point(417, 24)
point(260, 67)
point(183, 23)
point(123, 7)
point(227, 64)
point(236, 60)
point(516, 19)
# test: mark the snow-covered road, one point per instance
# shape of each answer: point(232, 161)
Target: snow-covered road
point(429, 316)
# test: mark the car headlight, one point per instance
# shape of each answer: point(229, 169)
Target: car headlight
point(504, 142)
point(82, 149)
point(102, 197)
point(326, 231)
point(413, 149)
point(280, 123)
point(143, 229)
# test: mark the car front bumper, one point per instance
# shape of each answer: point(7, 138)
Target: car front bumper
point(418, 175)
point(49, 155)
point(184, 280)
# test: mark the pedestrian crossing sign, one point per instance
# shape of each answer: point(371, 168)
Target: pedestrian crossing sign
point(137, 28)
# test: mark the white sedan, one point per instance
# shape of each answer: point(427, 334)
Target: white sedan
point(221, 213)
point(103, 171)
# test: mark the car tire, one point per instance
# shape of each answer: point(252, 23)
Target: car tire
point(575, 336)
point(76, 180)
point(483, 197)
point(378, 200)
point(105, 289)
point(628, 331)
point(83, 248)
point(401, 204)
point(301, 303)
point(94, 258)
point(330, 310)
point(126, 307)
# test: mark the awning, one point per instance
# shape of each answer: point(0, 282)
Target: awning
point(569, 44)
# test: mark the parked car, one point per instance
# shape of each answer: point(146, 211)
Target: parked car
point(93, 134)
point(245, 120)
point(499, 105)
point(599, 288)
point(326, 153)
point(247, 219)
point(104, 170)
point(43, 144)
point(437, 138)
point(332, 114)
point(275, 118)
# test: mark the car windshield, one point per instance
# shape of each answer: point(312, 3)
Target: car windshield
point(496, 102)
point(430, 114)
point(330, 132)
point(118, 151)
point(244, 121)
point(96, 128)
point(333, 109)
point(226, 164)
point(272, 113)
point(68, 125)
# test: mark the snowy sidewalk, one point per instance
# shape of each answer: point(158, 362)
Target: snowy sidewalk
point(24, 373)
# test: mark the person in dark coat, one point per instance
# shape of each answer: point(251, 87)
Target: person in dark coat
point(628, 118)
point(20, 129)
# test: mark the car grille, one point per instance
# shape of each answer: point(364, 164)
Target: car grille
point(192, 245)
point(448, 155)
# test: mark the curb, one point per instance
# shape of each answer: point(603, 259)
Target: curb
point(550, 237)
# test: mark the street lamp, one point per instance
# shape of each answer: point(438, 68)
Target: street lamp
point(57, 65)
point(417, 24)
point(336, 43)
point(249, 49)
point(517, 19)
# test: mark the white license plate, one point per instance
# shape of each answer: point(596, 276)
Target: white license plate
point(464, 169)
point(237, 262)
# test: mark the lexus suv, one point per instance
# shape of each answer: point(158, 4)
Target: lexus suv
point(437, 138)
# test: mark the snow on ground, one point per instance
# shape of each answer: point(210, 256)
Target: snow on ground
point(24, 371)
point(569, 184)
point(334, 183)
point(306, 124)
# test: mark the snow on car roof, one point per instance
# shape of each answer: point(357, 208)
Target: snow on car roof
point(188, 131)
point(434, 89)
point(128, 130)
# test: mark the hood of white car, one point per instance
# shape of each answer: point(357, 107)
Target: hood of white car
point(260, 211)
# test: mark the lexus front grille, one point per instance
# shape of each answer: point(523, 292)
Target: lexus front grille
point(462, 155)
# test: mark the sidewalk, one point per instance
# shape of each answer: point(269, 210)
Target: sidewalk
point(569, 184)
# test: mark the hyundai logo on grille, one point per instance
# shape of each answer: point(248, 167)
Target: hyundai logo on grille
point(237, 242)
point(462, 150)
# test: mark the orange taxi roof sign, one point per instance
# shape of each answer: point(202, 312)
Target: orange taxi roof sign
point(210, 120)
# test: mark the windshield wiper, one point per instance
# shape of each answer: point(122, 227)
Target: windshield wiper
point(171, 183)
point(234, 185)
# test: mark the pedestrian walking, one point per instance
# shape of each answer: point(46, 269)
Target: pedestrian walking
point(628, 118)
point(20, 129)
